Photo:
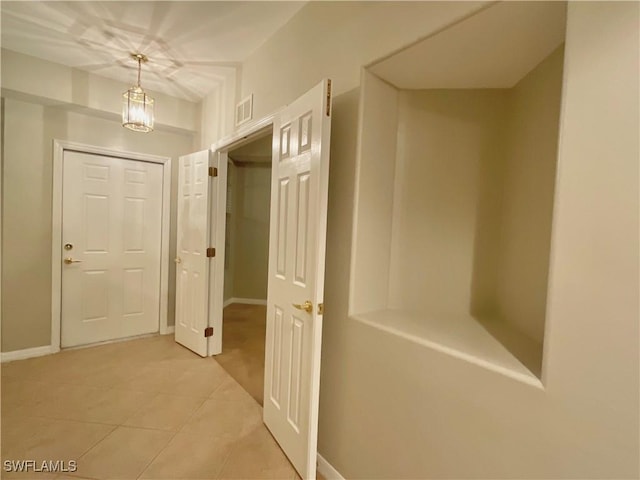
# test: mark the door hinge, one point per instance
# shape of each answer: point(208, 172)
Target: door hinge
point(328, 98)
point(211, 252)
point(208, 332)
point(213, 172)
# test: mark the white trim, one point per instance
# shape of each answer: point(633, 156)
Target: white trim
point(59, 148)
point(327, 470)
point(27, 353)
point(244, 134)
point(521, 375)
point(108, 342)
point(169, 330)
point(165, 237)
point(217, 228)
point(246, 301)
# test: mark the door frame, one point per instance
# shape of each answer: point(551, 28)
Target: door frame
point(59, 147)
point(219, 151)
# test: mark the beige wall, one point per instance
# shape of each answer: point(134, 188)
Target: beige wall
point(26, 228)
point(527, 203)
point(390, 408)
point(473, 197)
point(447, 142)
point(247, 235)
point(335, 40)
point(230, 231)
point(373, 218)
point(217, 109)
point(457, 184)
point(251, 245)
point(29, 130)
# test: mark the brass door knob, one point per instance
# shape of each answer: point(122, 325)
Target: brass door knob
point(70, 260)
point(178, 260)
point(306, 306)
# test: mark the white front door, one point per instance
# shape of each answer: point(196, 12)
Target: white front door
point(299, 190)
point(192, 263)
point(111, 247)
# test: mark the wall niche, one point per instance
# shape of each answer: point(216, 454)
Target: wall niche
point(455, 187)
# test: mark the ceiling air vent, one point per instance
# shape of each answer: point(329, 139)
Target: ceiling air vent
point(244, 110)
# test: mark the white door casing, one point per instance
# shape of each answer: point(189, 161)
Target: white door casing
point(218, 219)
point(192, 264)
point(299, 191)
point(112, 217)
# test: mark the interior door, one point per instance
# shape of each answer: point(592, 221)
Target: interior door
point(218, 219)
point(192, 263)
point(111, 237)
point(299, 187)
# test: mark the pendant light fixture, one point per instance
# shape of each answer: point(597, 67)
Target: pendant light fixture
point(137, 106)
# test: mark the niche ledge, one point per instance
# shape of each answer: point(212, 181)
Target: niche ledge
point(465, 338)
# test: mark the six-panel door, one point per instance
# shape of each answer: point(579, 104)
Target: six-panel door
point(111, 237)
point(299, 190)
point(192, 264)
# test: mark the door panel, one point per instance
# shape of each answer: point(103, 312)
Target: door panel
point(296, 275)
point(112, 219)
point(192, 264)
point(217, 229)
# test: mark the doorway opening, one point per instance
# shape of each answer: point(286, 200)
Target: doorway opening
point(246, 263)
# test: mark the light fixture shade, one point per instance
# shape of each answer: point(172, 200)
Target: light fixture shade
point(137, 110)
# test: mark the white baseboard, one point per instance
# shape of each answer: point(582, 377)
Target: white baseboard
point(49, 349)
point(246, 301)
point(27, 353)
point(327, 470)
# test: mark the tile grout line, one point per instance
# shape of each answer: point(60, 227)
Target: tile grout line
point(227, 457)
point(94, 445)
point(122, 425)
point(117, 426)
point(156, 395)
point(235, 444)
point(175, 433)
point(115, 388)
point(181, 428)
point(144, 469)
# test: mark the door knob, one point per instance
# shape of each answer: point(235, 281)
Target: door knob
point(306, 306)
point(70, 260)
point(178, 260)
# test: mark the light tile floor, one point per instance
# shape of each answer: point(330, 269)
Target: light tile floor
point(245, 330)
point(145, 408)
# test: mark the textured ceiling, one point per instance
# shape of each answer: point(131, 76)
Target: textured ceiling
point(190, 45)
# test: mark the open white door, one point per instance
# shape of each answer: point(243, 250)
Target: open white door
point(299, 191)
point(192, 263)
point(217, 227)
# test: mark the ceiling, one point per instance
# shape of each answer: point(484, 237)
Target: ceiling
point(494, 48)
point(256, 151)
point(191, 45)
